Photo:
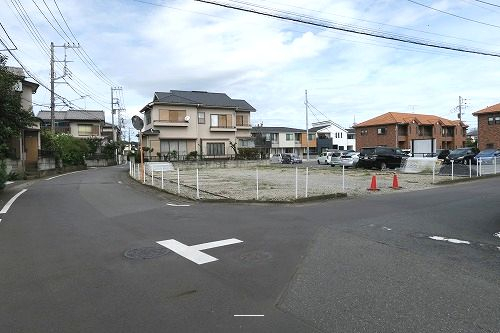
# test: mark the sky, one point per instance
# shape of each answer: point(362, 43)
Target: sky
point(162, 45)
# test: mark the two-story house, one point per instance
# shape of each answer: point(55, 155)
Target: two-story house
point(187, 121)
point(488, 127)
point(79, 123)
point(279, 140)
point(24, 147)
point(418, 132)
point(330, 135)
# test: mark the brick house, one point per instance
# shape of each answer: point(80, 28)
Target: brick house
point(418, 132)
point(488, 127)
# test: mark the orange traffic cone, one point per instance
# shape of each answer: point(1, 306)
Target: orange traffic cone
point(373, 186)
point(395, 183)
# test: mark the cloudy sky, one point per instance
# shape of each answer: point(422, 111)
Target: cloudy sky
point(159, 45)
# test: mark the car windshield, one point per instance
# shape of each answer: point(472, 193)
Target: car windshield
point(489, 152)
point(459, 151)
point(367, 151)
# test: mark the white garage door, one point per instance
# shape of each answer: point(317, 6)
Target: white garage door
point(422, 147)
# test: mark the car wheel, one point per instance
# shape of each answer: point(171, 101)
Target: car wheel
point(332, 165)
point(383, 166)
point(319, 162)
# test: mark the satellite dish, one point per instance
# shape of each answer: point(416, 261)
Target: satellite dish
point(137, 123)
point(186, 118)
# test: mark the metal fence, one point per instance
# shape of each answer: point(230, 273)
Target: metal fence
point(289, 183)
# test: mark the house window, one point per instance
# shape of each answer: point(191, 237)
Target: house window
point(214, 149)
point(490, 120)
point(297, 137)
point(289, 136)
point(169, 146)
point(147, 115)
point(311, 137)
point(176, 116)
point(274, 137)
point(350, 136)
point(490, 146)
point(381, 131)
point(364, 132)
point(220, 120)
point(88, 130)
point(497, 120)
point(201, 117)
point(241, 120)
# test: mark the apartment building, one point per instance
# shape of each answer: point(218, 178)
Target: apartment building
point(418, 132)
point(488, 127)
point(186, 121)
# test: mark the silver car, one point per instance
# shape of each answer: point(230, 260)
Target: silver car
point(349, 159)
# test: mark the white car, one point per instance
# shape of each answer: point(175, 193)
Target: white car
point(276, 158)
point(325, 157)
point(349, 159)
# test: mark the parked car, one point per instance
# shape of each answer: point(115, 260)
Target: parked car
point(276, 158)
point(335, 159)
point(440, 154)
point(290, 159)
point(461, 155)
point(488, 156)
point(325, 157)
point(381, 157)
point(349, 159)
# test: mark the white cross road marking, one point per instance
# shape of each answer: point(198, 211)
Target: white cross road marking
point(249, 315)
point(11, 201)
point(177, 205)
point(193, 252)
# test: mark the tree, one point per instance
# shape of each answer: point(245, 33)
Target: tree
point(13, 118)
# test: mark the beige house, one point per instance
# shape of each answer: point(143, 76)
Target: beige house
point(187, 121)
point(79, 123)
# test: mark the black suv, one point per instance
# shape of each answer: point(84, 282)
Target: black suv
point(461, 155)
point(381, 157)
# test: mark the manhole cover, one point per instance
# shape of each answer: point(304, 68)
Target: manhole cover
point(148, 252)
point(255, 256)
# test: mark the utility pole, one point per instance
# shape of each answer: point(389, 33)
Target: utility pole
point(307, 127)
point(119, 120)
point(52, 95)
point(460, 107)
point(53, 78)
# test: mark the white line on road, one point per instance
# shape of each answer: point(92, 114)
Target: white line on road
point(64, 174)
point(11, 201)
point(194, 253)
point(177, 205)
point(9, 182)
point(497, 234)
point(249, 315)
point(385, 228)
point(451, 240)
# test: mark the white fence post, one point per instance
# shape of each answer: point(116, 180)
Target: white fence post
point(296, 183)
point(495, 164)
point(307, 179)
point(480, 161)
point(162, 178)
point(477, 170)
point(130, 168)
point(144, 175)
point(451, 170)
point(343, 178)
point(433, 172)
point(178, 182)
point(257, 176)
point(470, 168)
point(197, 185)
point(152, 175)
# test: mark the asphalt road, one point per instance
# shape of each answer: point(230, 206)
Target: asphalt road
point(78, 253)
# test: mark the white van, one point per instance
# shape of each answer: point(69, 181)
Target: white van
point(276, 158)
point(325, 157)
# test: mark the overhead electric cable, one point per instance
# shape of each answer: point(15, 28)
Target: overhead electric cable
point(400, 38)
point(454, 15)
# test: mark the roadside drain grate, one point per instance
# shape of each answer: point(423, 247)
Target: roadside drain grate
point(148, 252)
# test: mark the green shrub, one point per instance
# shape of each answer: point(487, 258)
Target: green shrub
point(3, 174)
point(248, 153)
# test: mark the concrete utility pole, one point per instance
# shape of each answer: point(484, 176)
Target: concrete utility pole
point(307, 126)
point(53, 79)
point(119, 120)
point(460, 107)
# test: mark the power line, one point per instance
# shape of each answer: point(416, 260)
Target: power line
point(487, 3)
point(454, 15)
point(358, 30)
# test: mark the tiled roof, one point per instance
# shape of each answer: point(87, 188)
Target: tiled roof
point(73, 115)
point(406, 118)
point(317, 128)
point(202, 98)
point(261, 129)
point(490, 109)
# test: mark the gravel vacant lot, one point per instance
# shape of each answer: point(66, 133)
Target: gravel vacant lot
point(285, 182)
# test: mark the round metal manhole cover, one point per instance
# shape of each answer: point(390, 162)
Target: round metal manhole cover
point(255, 256)
point(148, 252)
